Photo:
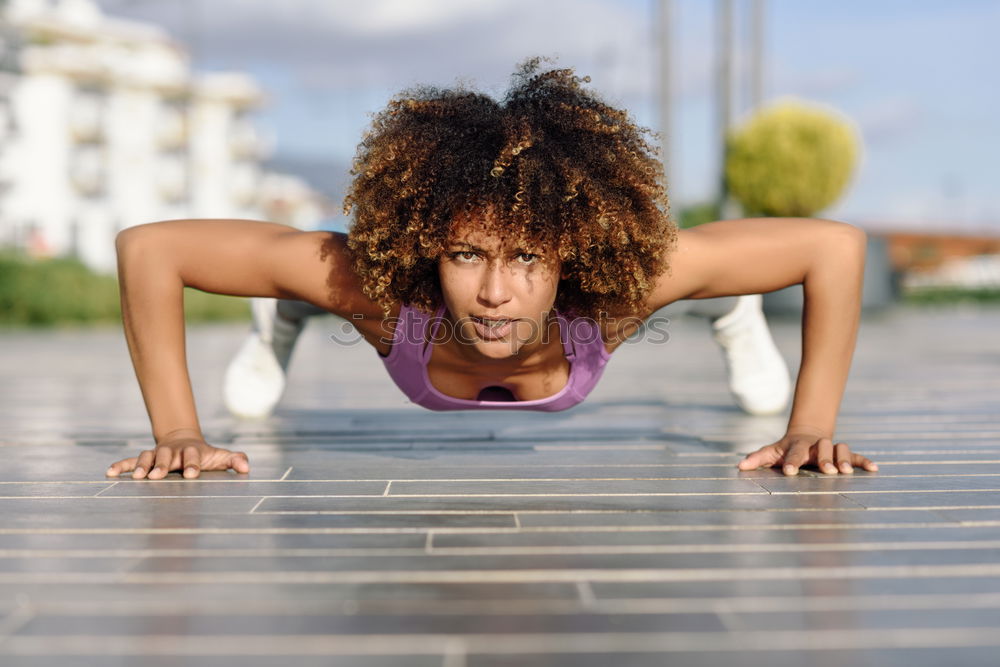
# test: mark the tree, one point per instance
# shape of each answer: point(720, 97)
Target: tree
point(791, 158)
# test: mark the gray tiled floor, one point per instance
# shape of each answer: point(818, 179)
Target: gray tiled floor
point(373, 533)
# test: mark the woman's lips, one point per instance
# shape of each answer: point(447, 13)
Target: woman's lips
point(492, 329)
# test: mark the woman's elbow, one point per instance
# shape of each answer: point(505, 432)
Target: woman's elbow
point(125, 240)
point(835, 249)
point(842, 237)
point(128, 237)
point(856, 234)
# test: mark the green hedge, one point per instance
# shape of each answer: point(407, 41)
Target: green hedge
point(698, 214)
point(951, 295)
point(63, 291)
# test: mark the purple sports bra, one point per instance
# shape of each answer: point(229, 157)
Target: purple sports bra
point(407, 366)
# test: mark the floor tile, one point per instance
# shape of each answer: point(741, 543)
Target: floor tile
point(371, 532)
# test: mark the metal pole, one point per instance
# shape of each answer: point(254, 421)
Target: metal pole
point(724, 86)
point(756, 54)
point(668, 151)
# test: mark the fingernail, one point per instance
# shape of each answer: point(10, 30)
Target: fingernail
point(108, 472)
point(789, 470)
point(137, 472)
point(829, 468)
point(847, 467)
point(191, 471)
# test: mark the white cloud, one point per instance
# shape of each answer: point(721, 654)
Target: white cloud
point(376, 18)
point(390, 43)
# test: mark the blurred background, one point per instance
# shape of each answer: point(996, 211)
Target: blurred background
point(118, 112)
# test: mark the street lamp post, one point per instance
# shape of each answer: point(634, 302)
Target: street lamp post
point(723, 92)
point(664, 85)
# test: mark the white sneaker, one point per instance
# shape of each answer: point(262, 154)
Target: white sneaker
point(255, 378)
point(758, 376)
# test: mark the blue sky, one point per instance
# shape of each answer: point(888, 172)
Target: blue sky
point(917, 76)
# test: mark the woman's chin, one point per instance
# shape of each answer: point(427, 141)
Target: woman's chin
point(498, 344)
point(496, 348)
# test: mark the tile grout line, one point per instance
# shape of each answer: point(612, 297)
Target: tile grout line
point(640, 605)
point(855, 507)
point(866, 491)
point(129, 568)
point(881, 475)
point(386, 492)
point(512, 643)
point(730, 621)
point(858, 503)
point(254, 508)
point(649, 494)
point(650, 528)
point(586, 593)
point(401, 496)
point(283, 477)
point(764, 488)
point(510, 550)
point(113, 485)
point(567, 575)
point(763, 491)
point(16, 620)
point(429, 542)
point(455, 650)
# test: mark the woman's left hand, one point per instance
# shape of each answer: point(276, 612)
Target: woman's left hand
point(796, 449)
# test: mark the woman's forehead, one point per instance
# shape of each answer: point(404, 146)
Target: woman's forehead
point(484, 231)
point(485, 239)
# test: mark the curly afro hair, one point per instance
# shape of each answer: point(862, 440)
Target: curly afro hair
point(554, 165)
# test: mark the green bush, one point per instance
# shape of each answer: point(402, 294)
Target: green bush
point(207, 307)
point(790, 159)
point(949, 296)
point(698, 214)
point(63, 291)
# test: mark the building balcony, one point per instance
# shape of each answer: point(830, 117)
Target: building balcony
point(172, 180)
point(172, 130)
point(6, 122)
point(86, 118)
point(245, 142)
point(87, 170)
point(245, 180)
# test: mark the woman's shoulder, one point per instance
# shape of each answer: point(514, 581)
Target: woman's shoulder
point(609, 330)
point(379, 329)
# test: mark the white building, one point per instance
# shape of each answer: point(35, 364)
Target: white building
point(106, 127)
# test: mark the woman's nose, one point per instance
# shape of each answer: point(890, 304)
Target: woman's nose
point(495, 290)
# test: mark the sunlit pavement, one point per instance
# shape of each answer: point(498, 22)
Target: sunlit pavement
point(617, 533)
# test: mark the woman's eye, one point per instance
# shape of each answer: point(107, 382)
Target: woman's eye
point(527, 258)
point(464, 256)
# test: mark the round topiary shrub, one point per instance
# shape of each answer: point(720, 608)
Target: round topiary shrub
point(791, 158)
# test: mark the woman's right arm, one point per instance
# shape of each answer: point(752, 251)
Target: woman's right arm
point(235, 257)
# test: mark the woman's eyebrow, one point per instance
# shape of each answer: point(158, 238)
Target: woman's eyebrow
point(464, 244)
point(514, 251)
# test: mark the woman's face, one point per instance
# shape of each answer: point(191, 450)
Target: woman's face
point(499, 295)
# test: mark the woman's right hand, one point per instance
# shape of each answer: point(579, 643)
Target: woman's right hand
point(189, 453)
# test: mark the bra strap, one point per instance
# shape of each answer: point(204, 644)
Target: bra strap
point(569, 345)
point(421, 328)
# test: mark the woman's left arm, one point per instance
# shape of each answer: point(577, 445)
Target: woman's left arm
point(759, 255)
